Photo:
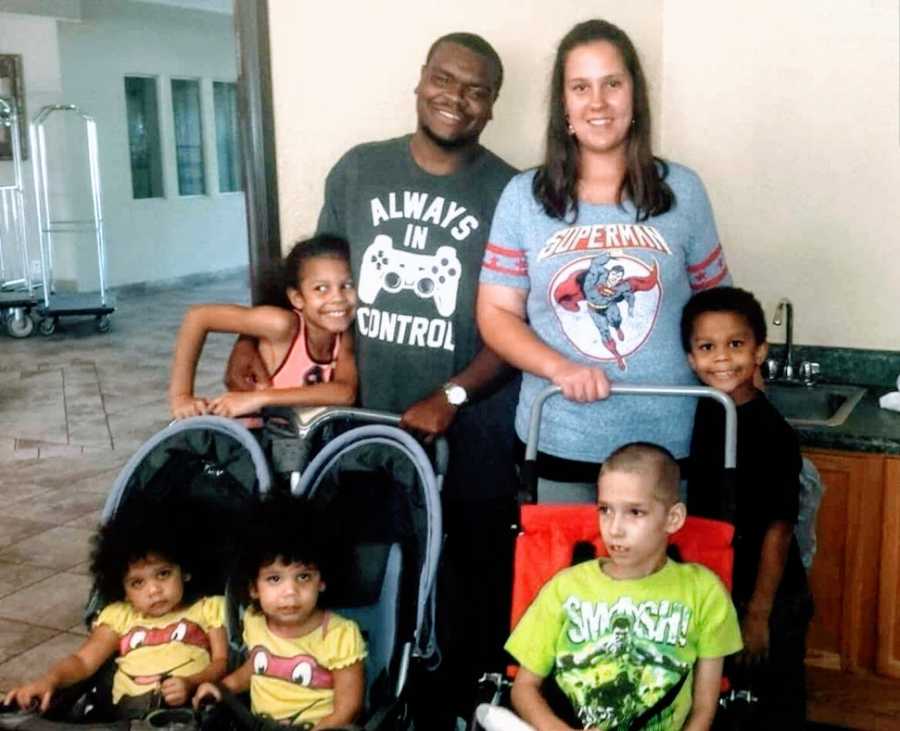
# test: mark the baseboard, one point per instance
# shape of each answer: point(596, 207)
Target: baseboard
point(187, 280)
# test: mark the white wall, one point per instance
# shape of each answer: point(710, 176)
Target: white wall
point(789, 110)
point(344, 73)
point(161, 238)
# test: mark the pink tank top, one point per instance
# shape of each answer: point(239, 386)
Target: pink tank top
point(298, 367)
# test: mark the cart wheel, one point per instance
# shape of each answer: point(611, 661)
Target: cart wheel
point(103, 323)
point(19, 327)
point(47, 326)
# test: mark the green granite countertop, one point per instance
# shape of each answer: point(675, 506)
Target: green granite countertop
point(869, 428)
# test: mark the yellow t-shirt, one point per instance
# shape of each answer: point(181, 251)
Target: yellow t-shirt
point(292, 678)
point(175, 644)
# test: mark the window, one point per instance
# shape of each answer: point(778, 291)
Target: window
point(227, 137)
point(142, 111)
point(188, 137)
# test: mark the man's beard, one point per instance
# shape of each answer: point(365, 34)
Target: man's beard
point(453, 144)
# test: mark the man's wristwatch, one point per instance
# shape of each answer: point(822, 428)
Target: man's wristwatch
point(456, 394)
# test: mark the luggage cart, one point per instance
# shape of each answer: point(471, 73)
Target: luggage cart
point(100, 304)
point(16, 289)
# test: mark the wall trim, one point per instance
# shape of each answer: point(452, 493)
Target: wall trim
point(257, 123)
point(197, 279)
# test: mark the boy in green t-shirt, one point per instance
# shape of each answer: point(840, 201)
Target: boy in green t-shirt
point(635, 636)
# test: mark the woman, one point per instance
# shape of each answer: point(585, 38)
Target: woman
point(590, 260)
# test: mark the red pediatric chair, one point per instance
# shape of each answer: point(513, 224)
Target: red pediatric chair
point(553, 537)
point(550, 535)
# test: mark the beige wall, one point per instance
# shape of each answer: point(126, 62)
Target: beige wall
point(789, 111)
point(344, 73)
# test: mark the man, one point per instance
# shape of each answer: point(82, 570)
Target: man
point(417, 211)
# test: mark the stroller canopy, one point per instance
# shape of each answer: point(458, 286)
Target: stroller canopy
point(377, 484)
point(202, 473)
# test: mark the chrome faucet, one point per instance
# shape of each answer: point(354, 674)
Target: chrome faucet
point(786, 309)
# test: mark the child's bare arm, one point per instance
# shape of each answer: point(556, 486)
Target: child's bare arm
point(349, 692)
point(178, 691)
point(340, 391)
point(271, 323)
point(237, 682)
point(755, 625)
point(529, 703)
point(100, 645)
point(707, 684)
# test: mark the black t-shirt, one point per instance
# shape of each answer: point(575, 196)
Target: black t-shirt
point(416, 244)
point(767, 485)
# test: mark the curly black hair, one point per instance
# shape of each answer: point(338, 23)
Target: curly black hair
point(734, 300)
point(132, 536)
point(284, 528)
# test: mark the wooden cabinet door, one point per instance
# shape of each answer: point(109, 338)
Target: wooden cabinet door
point(844, 576)
point(889, 590)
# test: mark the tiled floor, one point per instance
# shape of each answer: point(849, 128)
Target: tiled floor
point(73, 408)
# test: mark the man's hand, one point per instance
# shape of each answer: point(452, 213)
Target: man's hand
point(237, 403)
point(245, 370)
point(205, 692)
point(755, 630)
point(186, 406)
point(431, 416)
point(36, 693)
point(175, 691)
point(581, 383)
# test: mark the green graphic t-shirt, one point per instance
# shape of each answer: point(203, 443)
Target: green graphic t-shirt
point(616, 647)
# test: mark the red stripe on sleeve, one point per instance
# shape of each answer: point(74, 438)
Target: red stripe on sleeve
point(713, 255)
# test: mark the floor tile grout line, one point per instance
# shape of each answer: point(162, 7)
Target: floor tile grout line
point(22, 587)
point(62, 372)
point(112, 443)
point(29, 649)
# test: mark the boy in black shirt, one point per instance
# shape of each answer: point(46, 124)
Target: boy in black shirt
point(723, 332)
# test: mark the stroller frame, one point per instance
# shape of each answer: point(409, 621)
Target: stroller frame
point(237, 441)
point(293, 441)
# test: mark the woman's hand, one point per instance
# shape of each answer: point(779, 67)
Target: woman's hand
point(580, 382)
point(186, 405)
point(205, 692)
point(37, 692)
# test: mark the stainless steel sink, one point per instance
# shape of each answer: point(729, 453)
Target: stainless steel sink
point(821, 404)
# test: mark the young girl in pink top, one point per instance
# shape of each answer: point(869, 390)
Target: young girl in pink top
point(308, 350)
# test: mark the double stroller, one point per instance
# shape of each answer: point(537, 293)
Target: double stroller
point(373, 481)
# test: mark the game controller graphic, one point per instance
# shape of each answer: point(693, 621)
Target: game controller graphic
point(435, 275)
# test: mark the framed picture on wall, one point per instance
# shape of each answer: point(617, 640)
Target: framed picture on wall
point(13, 91)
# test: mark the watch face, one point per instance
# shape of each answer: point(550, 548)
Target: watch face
point(456, 394)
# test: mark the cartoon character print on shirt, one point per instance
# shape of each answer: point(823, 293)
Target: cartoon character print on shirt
point(183, 631)
point(413, 254)
point(607, 301)
point(620, 668)
point(300, 669)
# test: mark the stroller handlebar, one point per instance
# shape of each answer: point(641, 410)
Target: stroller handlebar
point(534, 425)
point(305, 423)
